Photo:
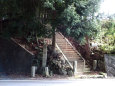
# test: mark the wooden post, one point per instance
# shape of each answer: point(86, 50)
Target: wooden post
point(75, 67)
point(44, 60)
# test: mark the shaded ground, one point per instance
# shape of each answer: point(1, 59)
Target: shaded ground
point(54, 77)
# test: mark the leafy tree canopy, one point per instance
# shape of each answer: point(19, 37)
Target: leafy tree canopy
point(22, 17)
point(75, 18)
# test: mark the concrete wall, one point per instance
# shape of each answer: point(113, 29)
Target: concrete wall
point(13, 58)
point(110, 65)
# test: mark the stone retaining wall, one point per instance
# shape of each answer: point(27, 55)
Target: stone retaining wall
point(13, 58)
point(110, 65)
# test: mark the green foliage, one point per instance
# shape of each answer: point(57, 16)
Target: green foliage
point(70, 17)
point(49, 4)
point(76, 17)
point(107, 36)
point(21, 17)
point(26, 16)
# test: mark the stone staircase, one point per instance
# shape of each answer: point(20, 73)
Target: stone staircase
point(70, 53)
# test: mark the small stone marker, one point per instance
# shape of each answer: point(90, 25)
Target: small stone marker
point(94, 64)
point(46, 71)
point(75, 67)
point(33, 70)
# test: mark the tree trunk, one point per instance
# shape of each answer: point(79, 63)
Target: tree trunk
point(87, 47)
point(53, 39)
point(1, 26)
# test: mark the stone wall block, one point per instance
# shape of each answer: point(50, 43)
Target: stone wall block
point(110, 65)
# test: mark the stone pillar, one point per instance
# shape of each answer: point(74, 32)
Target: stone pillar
point(44, 59)
point(94, 64)
point(33, 71)
point(75, 67)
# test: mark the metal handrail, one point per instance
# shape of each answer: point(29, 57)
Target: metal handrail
point(64, 55)
point(74, 49)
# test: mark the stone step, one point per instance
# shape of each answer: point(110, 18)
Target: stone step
point(83, 70)
point(72, 59)
point(60, 39)
point(71, 51)
point(68, 49)
point(87, 66)
point(87, 69)
point(75, 56)
point(64, 46)
point(58, 35)
point(80, 61)
point(80, 70)
point(62, 43)
point(80, 65)
point(71, 54)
